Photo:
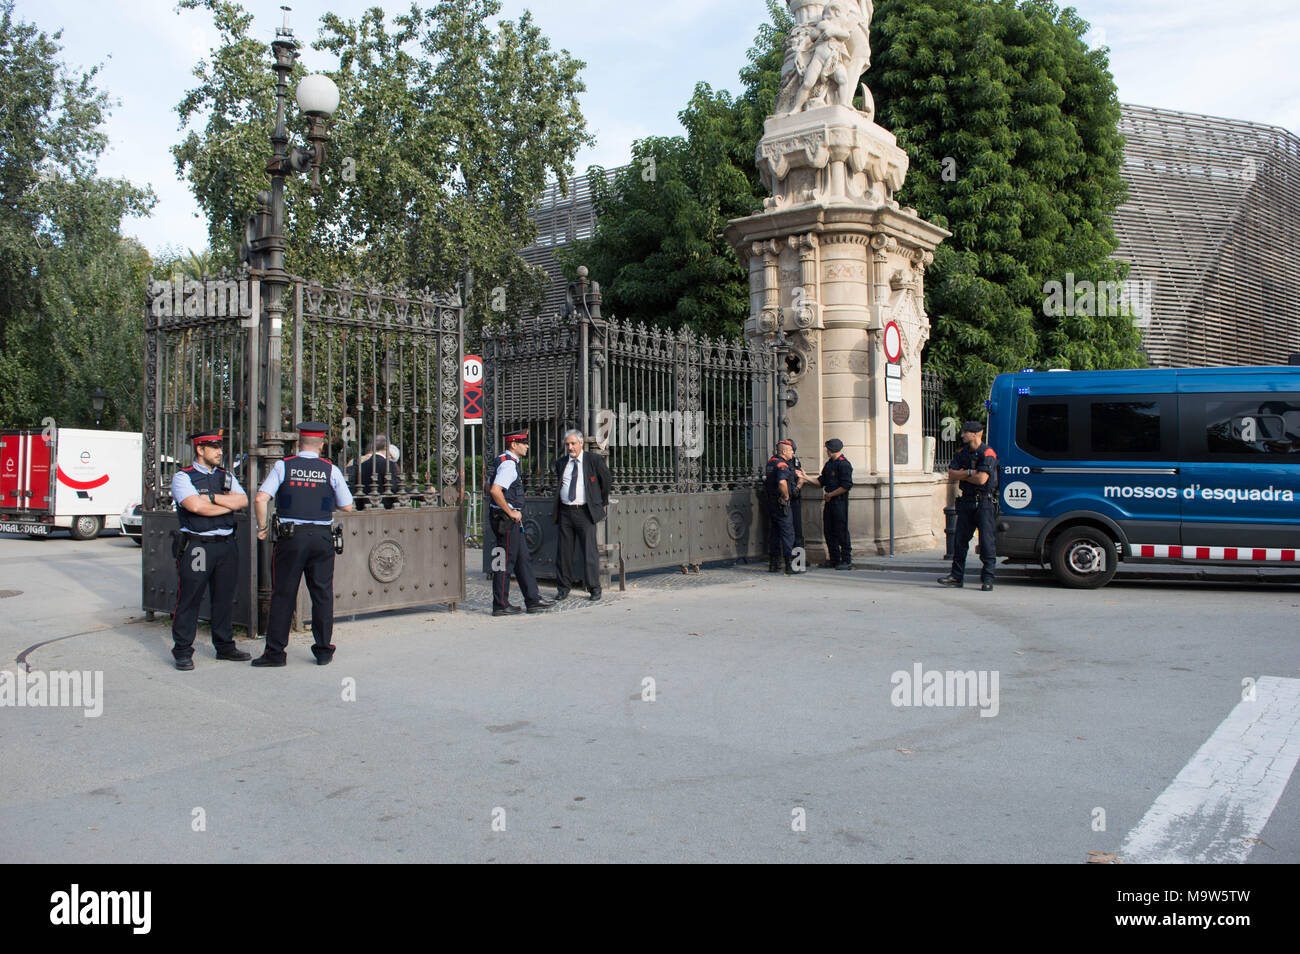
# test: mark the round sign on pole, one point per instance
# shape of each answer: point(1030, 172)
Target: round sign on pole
point(472, 370)
point(893, 342)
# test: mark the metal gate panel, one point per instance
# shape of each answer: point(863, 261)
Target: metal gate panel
point(396, 559)
point(651, 530)
point(541, 535)
point(725, 525)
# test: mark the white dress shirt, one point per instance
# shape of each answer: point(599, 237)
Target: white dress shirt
point(580, 492)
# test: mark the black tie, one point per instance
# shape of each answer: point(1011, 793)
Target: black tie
point(573, 481)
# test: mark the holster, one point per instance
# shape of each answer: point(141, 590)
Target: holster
point(180, 542)
point(336, 533)
point(282, 531)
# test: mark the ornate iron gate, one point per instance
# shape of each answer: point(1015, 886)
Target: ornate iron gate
point(381, 368)
point(685, 423)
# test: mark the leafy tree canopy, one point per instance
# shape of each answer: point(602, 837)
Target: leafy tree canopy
point(447, 132)
point(1011, 126)
point(71, 286)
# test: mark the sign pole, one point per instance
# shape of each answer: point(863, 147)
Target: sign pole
point(893, 342)
point(891, 480)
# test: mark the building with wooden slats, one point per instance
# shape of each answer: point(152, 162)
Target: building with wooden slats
point(1212, 221)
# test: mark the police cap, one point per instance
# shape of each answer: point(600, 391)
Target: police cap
point(313, 429)
point(209, 437)
point(972, 427)
point(835, 445)
point(517, 437)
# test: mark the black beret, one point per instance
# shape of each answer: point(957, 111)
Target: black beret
point(835, 445)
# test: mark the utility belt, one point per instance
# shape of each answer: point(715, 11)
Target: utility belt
point(982, 496)
point(183, 539)
point(283, 530)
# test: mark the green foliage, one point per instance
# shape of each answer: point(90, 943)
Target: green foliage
point(71, 287)
point(1026, 117)
point(447, 132)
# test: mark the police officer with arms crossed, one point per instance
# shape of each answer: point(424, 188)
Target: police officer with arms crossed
point(307, 490)
point(778, 477)
point(506, 491)
point(976, 467)
point(835, 480)
point(207, 558)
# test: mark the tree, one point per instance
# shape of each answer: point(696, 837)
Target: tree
point(446, 135)
point(71, 287)
point(1010, 124)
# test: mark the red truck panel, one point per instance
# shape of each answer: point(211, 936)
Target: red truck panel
point(10, 469)
point(40, 465)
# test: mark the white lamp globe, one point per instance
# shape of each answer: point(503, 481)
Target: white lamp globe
point(318, 95)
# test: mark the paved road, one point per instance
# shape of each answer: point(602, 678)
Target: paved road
point(773, 734)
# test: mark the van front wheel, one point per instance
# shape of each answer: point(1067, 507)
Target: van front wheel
point(1084, 558)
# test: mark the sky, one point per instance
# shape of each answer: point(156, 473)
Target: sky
point(643, 60)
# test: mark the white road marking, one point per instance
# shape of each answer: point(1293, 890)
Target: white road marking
point(1224, 796)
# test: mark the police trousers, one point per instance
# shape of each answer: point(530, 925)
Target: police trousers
point(208, 565)
point(310, 553)
point(973, 513)
point(835, 521)
point(510, 555)
point(780, 532)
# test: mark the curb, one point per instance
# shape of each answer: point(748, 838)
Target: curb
point(1023, 572)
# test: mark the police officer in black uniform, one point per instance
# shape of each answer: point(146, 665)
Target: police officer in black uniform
point(976, 467)
point(207, 558)
point(796, 494)
point(307, 490)
point(778, 478)
point(835, 480)
point(505, 483)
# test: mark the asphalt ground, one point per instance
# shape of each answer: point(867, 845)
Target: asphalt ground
point(730, 715)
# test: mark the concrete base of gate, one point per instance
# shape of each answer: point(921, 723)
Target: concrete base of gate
point(919, 500)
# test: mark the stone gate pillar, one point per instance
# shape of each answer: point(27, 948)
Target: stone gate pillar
point(832, 259)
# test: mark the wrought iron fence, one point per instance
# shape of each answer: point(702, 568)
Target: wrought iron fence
point(934, 424)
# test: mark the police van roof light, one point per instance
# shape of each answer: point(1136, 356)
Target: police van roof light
point(1022, 390)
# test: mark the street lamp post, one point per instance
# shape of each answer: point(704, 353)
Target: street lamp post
point(265, 245)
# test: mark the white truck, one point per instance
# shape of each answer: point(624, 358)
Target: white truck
point(78, 480)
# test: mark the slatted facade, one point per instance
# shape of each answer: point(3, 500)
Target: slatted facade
point(1213, 221)
point(562, 219)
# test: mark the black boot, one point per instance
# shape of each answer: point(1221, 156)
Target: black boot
point(773, 566)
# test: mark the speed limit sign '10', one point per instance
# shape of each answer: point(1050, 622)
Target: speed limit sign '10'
point(473, 369)
point(893, 342)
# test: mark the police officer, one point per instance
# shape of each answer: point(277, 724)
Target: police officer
point(778, 477)
point(835, 480)
point(796, 494)
point(307, 490)
point(505, 485)
point(207, 559)
point(976, 467)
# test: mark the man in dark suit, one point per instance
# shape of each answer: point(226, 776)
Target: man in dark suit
point(375, 473)
point(582, 493)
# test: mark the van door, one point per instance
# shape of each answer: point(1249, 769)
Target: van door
point(40, 472)
point(1241, 472)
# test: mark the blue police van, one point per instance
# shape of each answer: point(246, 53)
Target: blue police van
point(1185, 465)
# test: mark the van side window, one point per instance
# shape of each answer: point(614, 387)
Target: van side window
point(1046, 429)
point(1125, 427)
point(1255, 426)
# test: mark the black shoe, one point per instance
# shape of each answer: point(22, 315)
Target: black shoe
point(265, 660)
point(595, 595)
point(235, 655)
point(324, 660)
point(561, 595)
point(844, 566)
point(986, 587)
point(950, 580)
point(827, 565)
point(541, 606)
point(510, 610)
point(185, 665)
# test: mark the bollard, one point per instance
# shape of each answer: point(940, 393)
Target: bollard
point(949, 528)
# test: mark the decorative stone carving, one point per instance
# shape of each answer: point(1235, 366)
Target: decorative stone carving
point(826, 54)
point(387, 561)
